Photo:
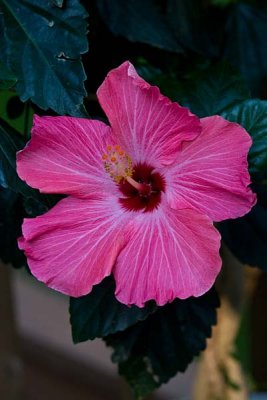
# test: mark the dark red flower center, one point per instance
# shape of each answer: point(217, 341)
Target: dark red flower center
point(147, 197)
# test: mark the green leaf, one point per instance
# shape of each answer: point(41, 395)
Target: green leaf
point(138, 375)
point(252, 115)
point(196, 26)
point(10, 143)
point(168, 83)
point(245, 44)
point(99, 313)
point(213, 90)
point(42, 45)
point(7, 78)
point(247, 236)
point(17, 199)
point(58, 3)
point(165, 343)
point(139, 21)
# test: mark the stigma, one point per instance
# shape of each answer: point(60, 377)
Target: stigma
point(117, 163)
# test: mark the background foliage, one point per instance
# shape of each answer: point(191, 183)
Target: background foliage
point(210, 56)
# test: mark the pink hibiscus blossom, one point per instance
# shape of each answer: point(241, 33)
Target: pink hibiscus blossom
point(142, 194)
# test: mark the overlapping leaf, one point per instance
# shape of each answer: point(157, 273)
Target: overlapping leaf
point(99, 313)
point(17, 199)
point(252, 115)
point(139, 21)
point(245, 45)
point(247, 236)
point(213, 90)
point(7, 78)
point(42, 45)
point(195, 25)
point(152, 351)
point(10, 143)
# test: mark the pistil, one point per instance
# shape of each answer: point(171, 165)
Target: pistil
point(143, 188)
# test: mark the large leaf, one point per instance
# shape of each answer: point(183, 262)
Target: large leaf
point(152, 351)
point(247, 236)
point(17, 199)
point(252, 115)
point(10, 143)
point(246, 43)
point(139, 21)
point(41, 44)
point(170, 25)
point(195, 25)
point(99, 313)
point(7, 78)
point(213, 90)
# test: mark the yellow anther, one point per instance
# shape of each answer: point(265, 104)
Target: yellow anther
point(117, 163)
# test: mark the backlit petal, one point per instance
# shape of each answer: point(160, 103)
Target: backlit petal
point(171, 254)
point(147, 124)
point(74, 245)
point(211, 172)
point(64, 156)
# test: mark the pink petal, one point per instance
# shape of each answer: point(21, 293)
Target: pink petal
point(64, 156)
point(211, 173)
point(171, 254)
point(75, 244)
point(147, 124)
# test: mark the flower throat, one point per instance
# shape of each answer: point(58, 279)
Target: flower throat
point(140, 184)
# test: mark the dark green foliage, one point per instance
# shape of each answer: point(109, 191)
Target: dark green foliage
point(252, 115)
point(212, 90)
point(41, 44)
point(17, 199)
point(172, 25)
point(247, 236)
point(99, 313)
point(151, 352)
point(7, 78)
point(10, 143)
point(206, 89)
point(245, 45)
point(195, 25)
point(139, 21)
point(58, 3)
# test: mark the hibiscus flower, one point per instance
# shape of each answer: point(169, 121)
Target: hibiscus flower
point(143, 193)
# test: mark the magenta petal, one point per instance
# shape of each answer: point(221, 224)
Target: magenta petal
point(211, 174)
point(64, 156)
point(75, 244)
point(147, 124)
point(171, 254)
